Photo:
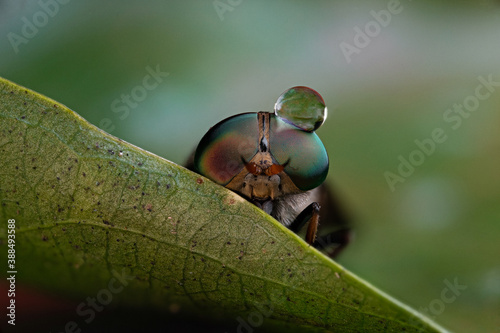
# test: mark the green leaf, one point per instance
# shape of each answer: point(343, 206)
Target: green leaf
point(93, 212)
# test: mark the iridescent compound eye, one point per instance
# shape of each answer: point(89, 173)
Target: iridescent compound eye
point(302, 107)
point(285, 141)
point(302, 153)
point(220, 154)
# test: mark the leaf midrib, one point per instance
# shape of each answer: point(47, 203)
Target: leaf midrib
point(240, 273)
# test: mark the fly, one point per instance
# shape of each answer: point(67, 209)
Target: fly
point(283, 174)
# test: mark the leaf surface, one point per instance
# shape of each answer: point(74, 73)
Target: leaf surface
point(94, 212)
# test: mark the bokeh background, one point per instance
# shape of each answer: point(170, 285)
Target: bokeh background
point(231, 56)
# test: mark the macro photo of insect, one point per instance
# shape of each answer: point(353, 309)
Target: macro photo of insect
point(249, 166)
point(277, 162)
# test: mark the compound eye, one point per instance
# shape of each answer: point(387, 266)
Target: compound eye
point(221, 151)
point(302, 107)
point(303, 154)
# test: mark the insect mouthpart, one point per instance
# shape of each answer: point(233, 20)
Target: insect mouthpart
point(264, 204)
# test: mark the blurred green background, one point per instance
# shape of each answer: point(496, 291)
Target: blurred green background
point(231, 56)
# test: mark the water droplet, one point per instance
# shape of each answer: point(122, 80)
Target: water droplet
point(302, 107)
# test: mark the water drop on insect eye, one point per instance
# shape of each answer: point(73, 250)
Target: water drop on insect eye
point(302, 107)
